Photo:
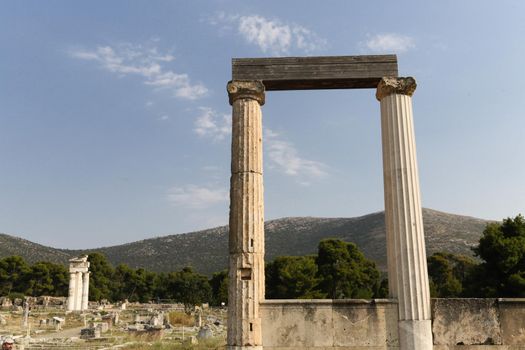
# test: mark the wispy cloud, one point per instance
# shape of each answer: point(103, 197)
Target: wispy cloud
point(211, 124)
point(283, 155)
point(143, 61)
point(272, 36)
point(390, 42)
point(197, 197)
point(280, 153)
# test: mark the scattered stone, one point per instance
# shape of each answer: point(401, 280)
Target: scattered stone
point(198, 318)
point(103, 326)
point(90, 333)
point(192, 340)
point(205, 333)
point(5, 302)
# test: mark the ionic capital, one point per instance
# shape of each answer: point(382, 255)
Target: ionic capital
point(393, 85)
point(248, 89)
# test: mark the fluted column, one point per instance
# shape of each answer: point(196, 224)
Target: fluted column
point(85, 291)
point(407, 265)
point(246, 240)
point(72, 289)
point(78, 291)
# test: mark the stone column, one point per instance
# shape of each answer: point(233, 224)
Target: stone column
point(78, 292)
point(85, 291)
point(72, 289)
point(407, 264)
point(246, 240)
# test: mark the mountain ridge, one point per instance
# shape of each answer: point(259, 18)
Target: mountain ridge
point(206, 250)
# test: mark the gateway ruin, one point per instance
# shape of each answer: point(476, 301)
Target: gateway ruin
point(248, 312)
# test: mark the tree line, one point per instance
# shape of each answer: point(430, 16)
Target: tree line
point(339, 270)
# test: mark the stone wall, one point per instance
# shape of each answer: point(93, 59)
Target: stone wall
point(459, 324)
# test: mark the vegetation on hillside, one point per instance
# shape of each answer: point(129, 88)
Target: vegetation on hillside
point(207, 251)
point(501, 272)
point(339, 270)
point(41, 278)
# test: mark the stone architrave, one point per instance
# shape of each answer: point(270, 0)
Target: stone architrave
point(246, 240)
point(407, 264)
point(78, 284)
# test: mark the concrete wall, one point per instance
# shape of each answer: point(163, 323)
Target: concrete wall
point(459, 324)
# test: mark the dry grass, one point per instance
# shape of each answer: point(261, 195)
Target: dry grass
point(178, 318)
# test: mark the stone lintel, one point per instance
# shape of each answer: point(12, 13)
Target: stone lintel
point(311, 72)
point(248, 89)
point(393, 85)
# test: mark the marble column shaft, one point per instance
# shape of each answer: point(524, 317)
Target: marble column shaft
point(71, 293)
point(85, 291)
point(78, 291)
point(407, 265)
point(246, 240)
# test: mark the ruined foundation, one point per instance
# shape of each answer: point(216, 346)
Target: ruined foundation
point(457, 324)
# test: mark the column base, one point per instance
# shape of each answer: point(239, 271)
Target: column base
point(415, 335)
point(235, 347)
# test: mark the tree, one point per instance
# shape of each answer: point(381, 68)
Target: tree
point(292, 277)
point(502, 247)
point(189, 287)
point(219, 287)
point(123, 283)
point(13, 275)
point(449, 274)
point(101, 284)
point(144, 285)
point(344, 272)
point(45, 278)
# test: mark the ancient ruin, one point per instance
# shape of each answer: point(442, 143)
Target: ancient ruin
point(407, 269)
point(78, 296)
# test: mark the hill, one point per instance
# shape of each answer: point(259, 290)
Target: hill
point(207, 250)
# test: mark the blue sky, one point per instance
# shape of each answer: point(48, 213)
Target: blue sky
point(115, 123)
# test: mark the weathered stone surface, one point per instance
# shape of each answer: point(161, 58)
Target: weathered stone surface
point(458, 324)
point(391, 85)
point(406, 255)
point(244, 89)
point(512, 320)
point(298, 323)
point(246, 137)
point(365, 324)
point(323, 324)
point(78, 284)
point(466, 322)
point(246, 240)
point(85, 291)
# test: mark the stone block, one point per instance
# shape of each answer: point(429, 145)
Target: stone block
point(472, 347)
point(512, 319)
point(466, 322)
point(298, 323)
point(364, 323)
